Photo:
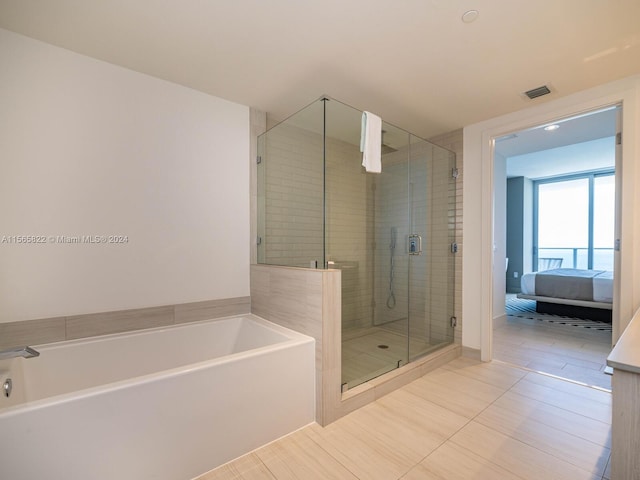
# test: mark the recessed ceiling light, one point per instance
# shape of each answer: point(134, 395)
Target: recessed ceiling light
point(551, 128)
point(470, 16)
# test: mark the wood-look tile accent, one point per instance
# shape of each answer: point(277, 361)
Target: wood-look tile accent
point(32, 332)
point(626, 425)
point(81, 326)
point(309, 301)
point(49, 330)
point(194, 312)
point(294, 298)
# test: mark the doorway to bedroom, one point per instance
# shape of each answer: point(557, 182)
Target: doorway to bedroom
point(558, 211)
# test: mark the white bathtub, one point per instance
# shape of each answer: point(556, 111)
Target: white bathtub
point(167, 403)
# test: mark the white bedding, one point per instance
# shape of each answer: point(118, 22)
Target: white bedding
point(602, 286)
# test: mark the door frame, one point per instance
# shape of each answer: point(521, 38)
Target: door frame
point(479, 205)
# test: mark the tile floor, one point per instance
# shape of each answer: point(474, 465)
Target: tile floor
point(465, 420)
point(575, 353)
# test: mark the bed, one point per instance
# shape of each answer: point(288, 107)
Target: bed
point(570, 292)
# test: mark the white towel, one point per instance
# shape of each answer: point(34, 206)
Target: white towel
point(371, 142)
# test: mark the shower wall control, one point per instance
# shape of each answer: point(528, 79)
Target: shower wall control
point(415, 244)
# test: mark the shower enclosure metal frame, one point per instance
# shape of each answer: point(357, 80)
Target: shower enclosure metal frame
point(392, 235)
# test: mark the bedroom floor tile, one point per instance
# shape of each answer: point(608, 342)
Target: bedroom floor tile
point(555, 441)
point(576, 353)
point(465, 420)
point(516, 456)
point(452, 462)
point(581, 405)
point(559, 418)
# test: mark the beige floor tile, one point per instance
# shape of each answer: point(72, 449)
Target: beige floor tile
point(368, 447)
point(515, 456)
point(596, 378)
point(560, 385)
point(574, 403)
point(565, 367)
point(544, 364)
point(493, 373)
point(570, 448)
point(420, 421)
point(247, 467)
point(578, 425)
point(393, 434)
point(452, 462)
point(297, 456)
point(511, 356)
point(590, 364)
point(458, 393)
point(567, 351)
point(526, 425)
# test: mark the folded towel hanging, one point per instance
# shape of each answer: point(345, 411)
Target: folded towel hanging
point(371, 142)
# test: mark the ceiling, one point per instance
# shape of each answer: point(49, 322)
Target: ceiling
point(538, 153)
point(582, 128)
point(413, 62)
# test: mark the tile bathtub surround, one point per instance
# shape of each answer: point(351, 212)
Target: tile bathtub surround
point(295, 298)
point(466, 419)
point(309, 301)
point(32, 332)
point(40, 331)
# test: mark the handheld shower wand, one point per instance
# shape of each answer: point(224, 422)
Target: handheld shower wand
point(391, 299)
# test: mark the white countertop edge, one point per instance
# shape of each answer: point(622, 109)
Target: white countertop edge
point(626, 354)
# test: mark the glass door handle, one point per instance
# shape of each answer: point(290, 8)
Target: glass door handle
point(415, 244)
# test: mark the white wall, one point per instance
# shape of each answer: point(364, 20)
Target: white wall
point(89, 148)
point(478, 200)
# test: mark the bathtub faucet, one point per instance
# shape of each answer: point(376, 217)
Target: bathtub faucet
point(26, 352)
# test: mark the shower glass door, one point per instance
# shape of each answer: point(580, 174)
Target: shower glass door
point(389, 233)
point(432, 195)
point(366, 227)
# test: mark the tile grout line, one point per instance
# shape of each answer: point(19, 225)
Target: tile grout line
point(551, 375)
point(480, 413)
point(562, 380)
point(449, 438)
point(331, 455)
point(513, 438)
point(467, 422)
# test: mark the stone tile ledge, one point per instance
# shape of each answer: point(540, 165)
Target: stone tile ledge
point(626, 354)
point(58, 329)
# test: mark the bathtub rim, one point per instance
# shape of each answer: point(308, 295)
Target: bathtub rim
point(293, 338)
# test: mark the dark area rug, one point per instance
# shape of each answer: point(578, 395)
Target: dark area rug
point(523, 308)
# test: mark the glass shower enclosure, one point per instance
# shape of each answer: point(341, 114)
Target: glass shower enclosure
point(391, 234)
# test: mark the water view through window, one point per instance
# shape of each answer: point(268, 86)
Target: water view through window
point(576, 221)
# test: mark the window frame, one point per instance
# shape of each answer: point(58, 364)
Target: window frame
point(590, 176)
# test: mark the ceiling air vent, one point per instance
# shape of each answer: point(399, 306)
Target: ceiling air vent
point(537, 92)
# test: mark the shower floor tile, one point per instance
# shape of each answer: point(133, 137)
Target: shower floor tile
point(367, 353)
